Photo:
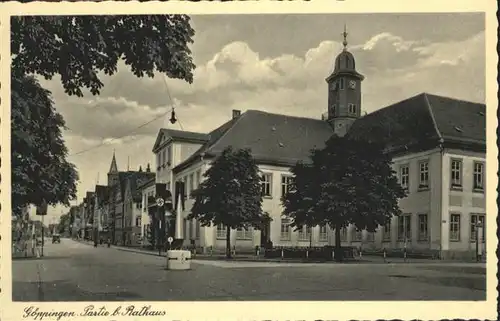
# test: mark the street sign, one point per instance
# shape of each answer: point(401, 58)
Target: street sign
point(170, 239)
point(160, 202)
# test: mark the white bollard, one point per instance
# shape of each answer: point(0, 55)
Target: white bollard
point(178, 260)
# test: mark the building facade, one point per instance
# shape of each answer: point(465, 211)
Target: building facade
point(147, 190)
point(438, 146)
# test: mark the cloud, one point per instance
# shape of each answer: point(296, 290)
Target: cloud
point(239, 77)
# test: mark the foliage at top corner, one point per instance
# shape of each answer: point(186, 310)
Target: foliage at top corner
point(79, 48)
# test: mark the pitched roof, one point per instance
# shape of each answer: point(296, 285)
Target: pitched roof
point(147, 182)
point(135, 179)
point(459, 120)
point(102, 193)
point(179, 135)
point(424, 119)
point(272, 138)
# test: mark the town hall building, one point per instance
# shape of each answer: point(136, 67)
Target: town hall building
point(438, 147)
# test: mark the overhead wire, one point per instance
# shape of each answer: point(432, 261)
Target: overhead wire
point(108, 141)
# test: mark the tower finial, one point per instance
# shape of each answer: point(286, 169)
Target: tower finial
point(345, 37)
point(113, 168)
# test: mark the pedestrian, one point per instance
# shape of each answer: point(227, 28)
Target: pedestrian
point(109, 242)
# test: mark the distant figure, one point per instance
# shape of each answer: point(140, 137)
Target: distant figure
point(109, 242)
point(101, 241)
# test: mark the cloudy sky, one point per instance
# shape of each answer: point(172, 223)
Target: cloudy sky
point(275, 63)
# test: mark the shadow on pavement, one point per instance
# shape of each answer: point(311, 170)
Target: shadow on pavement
point(41, 259)
point(461, 282)
point(457, 269)
point(67, 291)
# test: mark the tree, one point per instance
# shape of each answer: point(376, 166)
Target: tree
point(63, 223)
point(39, 167)
point(79, 49)
point(230, 195)
point(347, 182)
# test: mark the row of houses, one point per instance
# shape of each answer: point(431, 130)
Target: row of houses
point(438, 147)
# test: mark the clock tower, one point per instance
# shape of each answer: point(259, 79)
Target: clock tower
point(344, 92)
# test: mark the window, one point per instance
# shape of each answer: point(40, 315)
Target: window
point(352, 108)
point(370, 236)
point(266, 185)
point(184, 228)
point(455, 227)
point(343, 234)
point(164, 156)
point(423, 227)
point(221, 231)
point(169, 154)
point(424, 175)
point(285, 229)
point(138, 221)
point(285, 184)
point(456, 173)
point(387, 231)
point(244, 234)
point(191, 183)
point(198, 177)
point(404, 228)
point(341, 83)
point(323, 233)
point(158, 160)
point(404, 173)
point(192, 229)
point(358, 234)
point(185, 181)
point(474, 220)
point(197, 230)
point(161, 159)
point(478, 176)
point(305, 233)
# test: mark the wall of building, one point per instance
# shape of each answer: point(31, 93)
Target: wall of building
point(464, 201)
point(145, 219)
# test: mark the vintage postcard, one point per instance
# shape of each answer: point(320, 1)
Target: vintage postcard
point(248, 160)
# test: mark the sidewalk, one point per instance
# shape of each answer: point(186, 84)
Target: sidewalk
point(252, 258)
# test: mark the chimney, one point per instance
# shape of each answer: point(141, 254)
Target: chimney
point(140, 168)
point(148, 169)
point(236, 113)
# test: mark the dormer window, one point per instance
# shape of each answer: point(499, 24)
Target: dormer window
point(341, 83)
point(352, 108)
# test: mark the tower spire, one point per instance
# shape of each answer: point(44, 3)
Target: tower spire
point(113, 168)
point(345, 37)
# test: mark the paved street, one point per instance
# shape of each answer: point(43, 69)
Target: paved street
point(73, 271)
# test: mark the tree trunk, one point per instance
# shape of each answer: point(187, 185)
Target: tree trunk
point(228, 242)
point(339, 254)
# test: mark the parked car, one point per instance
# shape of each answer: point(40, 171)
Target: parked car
point(56, 238)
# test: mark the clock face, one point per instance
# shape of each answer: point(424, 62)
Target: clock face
point(352, 84)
